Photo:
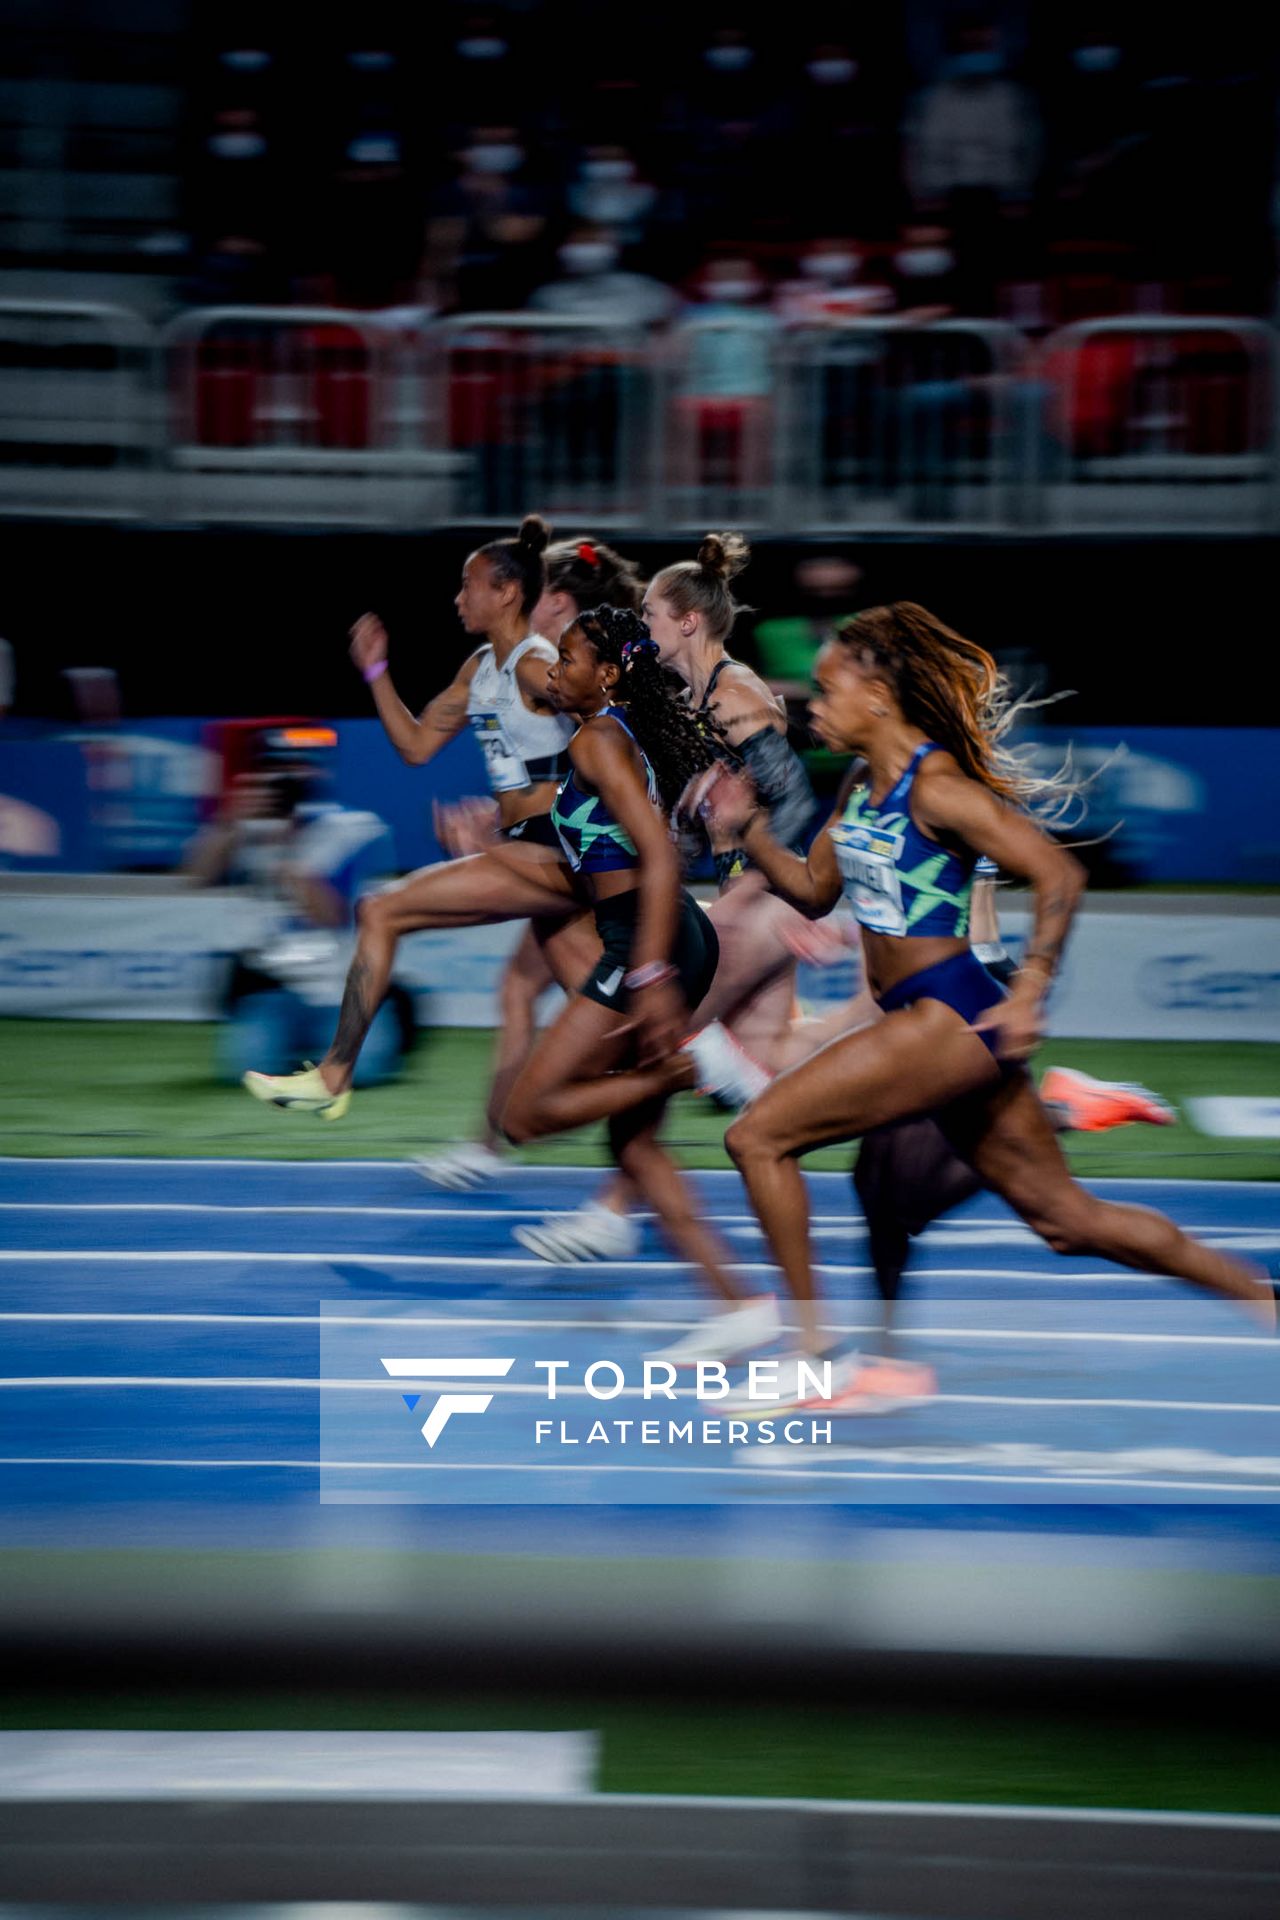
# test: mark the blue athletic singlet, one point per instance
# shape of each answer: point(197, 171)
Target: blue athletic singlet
point(592, 839)
point(897, 880)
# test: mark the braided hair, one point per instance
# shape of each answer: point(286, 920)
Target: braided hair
point(952, 689)
point(593, 575)
point(676, 745)
point(521, 560)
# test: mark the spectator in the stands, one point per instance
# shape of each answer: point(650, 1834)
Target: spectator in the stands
point(734, 361)
point(835, 282)
point(973, 143)
point(607, 191)
point(485, 231)
point(593, 285)
point(835, 131)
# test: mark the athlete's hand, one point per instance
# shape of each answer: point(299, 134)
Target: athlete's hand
point(662, 1021)
point(823, 943)
point(722, 799)
point(368, 641)
point(465, 826)
point(1017, 1022)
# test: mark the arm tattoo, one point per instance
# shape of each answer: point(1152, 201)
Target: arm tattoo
point(355, 1014)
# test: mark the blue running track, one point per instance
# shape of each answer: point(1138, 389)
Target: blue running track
point(161, 1374)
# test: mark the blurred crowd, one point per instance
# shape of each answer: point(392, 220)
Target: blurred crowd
point(1032, 163)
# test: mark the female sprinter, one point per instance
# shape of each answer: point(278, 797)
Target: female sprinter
point(579, 573)
point(501, 691)
point(745, 1019)
point(926, 709)
point(634, 752)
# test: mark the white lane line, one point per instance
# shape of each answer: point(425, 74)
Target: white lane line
point(501, 1324)
point(954, 1233)
point(190, 1256)
point(537, 1392)
point(1094, 1481)
point(535, 1170)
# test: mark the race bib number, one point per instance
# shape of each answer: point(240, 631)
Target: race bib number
point(503, 765)
point(868, 867)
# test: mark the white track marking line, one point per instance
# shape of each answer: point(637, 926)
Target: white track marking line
point(434, 1261)
point(1094, 1481)
point(529, 1391)
point(442, 1323)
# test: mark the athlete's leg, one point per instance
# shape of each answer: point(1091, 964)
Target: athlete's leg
point(916, 1059)
point(476, 891)
point(525, 978)
point(650, 1171)
point(573, 1077)
point(1011, 1143)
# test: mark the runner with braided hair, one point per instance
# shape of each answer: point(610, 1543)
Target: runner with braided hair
point(615, 1051)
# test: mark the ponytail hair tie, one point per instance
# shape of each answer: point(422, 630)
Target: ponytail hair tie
point(587, 554)
point(643, 643)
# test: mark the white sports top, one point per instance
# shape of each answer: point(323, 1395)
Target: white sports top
point(520, 748)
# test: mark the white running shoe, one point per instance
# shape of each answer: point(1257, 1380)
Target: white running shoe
point(592, 1233)
point(725, 1070)
point(460, 1168)
point(730, 1335)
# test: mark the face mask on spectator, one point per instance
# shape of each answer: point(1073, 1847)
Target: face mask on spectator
point(496, 157)
point(922, 263)
point(237, 146)
point(1096, 59)
point(732, 293)
point(832, 73)
point(830, 266)
point(374, 150)
point(587, 256)
point(982, 63)
point(610, 172)
point(481, 47)
point(729, 59)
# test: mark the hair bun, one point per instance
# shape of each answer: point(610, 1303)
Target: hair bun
point(724, 554)
point(534, 533)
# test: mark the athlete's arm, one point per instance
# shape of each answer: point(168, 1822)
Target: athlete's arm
point(440, 721)
point(605, 759)
point(531, 677)
point(729, 805)
point(948, 804)
point(742, 704)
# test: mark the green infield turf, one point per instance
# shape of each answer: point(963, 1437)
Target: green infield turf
point(126, 1087)
point(843, 1751)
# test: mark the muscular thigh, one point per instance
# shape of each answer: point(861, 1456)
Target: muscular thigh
point(912, 1061)
point(569, 948)
point(585, 1039)
point(476, 891)
point(1005, 1136)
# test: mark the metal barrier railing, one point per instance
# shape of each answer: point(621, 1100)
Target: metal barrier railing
point(1160, 421)
point(294, 413)
point(298, 415)
point(77, 409)
point(895, 425)
point(548, 412)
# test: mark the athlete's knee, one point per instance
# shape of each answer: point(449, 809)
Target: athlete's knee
point(748, 1142)
point(377, 914)
point(518, 1121)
